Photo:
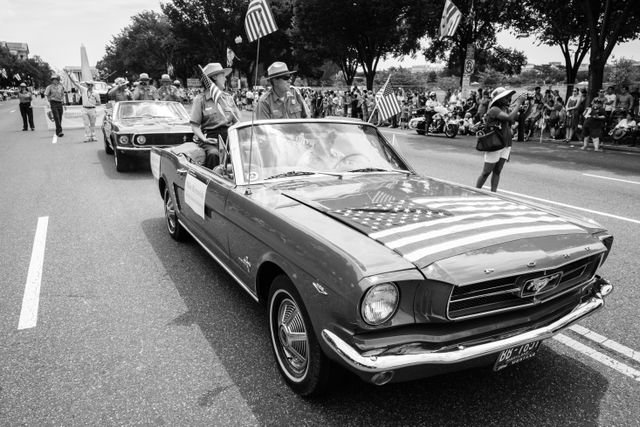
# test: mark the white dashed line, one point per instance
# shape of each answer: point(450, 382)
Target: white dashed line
point(596, 355)
point(12, 111)
point(606, 342)
point(55, 139)
point(573, 207)
point(31, 298)
point(612, 179)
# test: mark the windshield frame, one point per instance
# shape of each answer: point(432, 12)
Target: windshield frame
point(234, 147)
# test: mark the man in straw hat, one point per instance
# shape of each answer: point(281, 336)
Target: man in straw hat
point(211, 118)
point(24, 98)
point(281, 101)
point(144, 90)
point(55, 95)
point(499, 118)
point(167, 92)
point(90, 100)
point(120, 91)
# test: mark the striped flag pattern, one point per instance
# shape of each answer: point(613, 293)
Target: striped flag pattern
point(387, 102)
point(425, 230)
point(451, 17)
point(213, 89)
point(259, 20)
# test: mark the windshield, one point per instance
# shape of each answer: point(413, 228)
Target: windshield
point(299, 148)
point(152, 109)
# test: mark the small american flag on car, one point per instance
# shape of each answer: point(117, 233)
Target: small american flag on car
point(213, 89)
point(259, 20)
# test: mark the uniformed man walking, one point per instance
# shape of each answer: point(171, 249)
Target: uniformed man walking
point(55, 95)
point(144, 89)
point(281, 101)
point(25, 97)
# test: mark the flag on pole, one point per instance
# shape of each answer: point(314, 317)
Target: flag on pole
point(17, 76)
point(387, 102)
point(213, 89)
point(259, 20)
point(231, 55)
point(3, 72)
point(451, 17)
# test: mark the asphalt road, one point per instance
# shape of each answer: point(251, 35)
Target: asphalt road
point(134, 328)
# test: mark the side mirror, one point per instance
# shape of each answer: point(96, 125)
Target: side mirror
point(229, 170)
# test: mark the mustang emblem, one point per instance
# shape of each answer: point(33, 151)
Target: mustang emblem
point(245, 261)
point(539, 285)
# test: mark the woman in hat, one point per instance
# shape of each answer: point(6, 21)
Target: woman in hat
point(211, 118)
point(500, 118)
point(145, 90)
point(281, 101)
point(594, 118)
point(25, 98)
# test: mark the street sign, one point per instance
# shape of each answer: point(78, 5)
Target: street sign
point(469, 65)
point(194, 83)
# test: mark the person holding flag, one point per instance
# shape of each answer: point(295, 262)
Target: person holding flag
point(281, 101)
point(213, 111)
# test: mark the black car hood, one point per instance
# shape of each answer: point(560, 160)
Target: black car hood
point(425, 220)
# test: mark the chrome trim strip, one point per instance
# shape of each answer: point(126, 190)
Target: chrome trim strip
point(223, 265)
point(490, 294)
point(449, 355)
point(134, 148)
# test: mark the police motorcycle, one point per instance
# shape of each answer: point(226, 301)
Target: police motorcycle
point(443, 120)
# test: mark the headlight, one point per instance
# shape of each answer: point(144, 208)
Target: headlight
point(379, 303)
point(141, 139)
point(123, 139)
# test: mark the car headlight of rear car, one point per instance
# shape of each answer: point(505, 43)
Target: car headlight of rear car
point(141, 139)
point(123, 139)
point(380, 303)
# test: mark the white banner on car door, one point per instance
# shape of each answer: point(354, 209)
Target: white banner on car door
point(194, 194)
point(154, 161)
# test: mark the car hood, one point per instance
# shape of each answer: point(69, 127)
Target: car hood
point(426, 220)
point(155, 125)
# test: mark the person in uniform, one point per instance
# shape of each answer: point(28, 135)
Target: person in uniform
point(210, 119)
point(55, 95)
point(90, 100)
point(144, 91)
point(180, 91)
point(281, 101)
point(167, 92)
point(120, 92)
point(25, 97)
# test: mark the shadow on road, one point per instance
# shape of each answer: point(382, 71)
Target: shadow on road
point(551, 389)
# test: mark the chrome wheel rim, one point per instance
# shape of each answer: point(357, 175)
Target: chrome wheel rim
point(170, 213)
point(292, 337)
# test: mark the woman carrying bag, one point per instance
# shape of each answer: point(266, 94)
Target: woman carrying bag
point(500, 119)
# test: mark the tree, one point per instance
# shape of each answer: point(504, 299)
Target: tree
point(147, 45)
point(371, 29)
point(609, 22)
point(557, 23)
point(33, 71)
point(623, 71)
point(478, 27)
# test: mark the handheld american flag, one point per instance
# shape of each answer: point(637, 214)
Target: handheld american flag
point(451, 17)
point(259, 20)
point(213, 89)
point(387, 102)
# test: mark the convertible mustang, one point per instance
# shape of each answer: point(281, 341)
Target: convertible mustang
point(362, 263)
point(131, 128)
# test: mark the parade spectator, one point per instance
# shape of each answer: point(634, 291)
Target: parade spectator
point(537, 95)
point(471, 104)
point(609, 100)
point(55, 95)
point(624, 101)
point(636, 100)
point(593, 124)
point(211, 119)
point(626, 123)
point(90, 99)
point(120, 92)
point(281, 100)
point(26, 111)
point(483, 105)
point(144, 90)
point(167, 91)
point(571, 109)
point(355, 100)
point(500, 118)
point(249, 97)
point(179, 91)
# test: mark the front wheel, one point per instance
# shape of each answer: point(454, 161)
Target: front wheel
point(300, 359)
point(451, 130)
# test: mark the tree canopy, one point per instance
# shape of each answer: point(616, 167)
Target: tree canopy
point(33, 71)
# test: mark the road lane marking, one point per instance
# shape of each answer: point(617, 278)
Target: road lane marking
point(596, 355)
point(55, 139)
point(612, 179)
point(606, 342)
point(574, 207)
point(12, 111)
point(31, 298)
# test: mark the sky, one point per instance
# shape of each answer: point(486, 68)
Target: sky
point(54, 30)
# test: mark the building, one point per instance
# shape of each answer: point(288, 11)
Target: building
point(76, 71)
point(21, 50)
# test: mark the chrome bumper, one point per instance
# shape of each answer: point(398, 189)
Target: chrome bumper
point(450, 355)
point(134, 148)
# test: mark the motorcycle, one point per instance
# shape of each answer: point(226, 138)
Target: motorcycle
point(443, 121)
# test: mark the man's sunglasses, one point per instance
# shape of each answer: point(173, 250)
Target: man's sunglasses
point(286, 78)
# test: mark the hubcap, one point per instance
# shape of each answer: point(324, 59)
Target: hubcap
point(293, 339)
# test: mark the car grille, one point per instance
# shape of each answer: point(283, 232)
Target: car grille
point(163, 139)
point(505, 294)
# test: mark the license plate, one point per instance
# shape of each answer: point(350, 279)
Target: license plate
point(514, 355)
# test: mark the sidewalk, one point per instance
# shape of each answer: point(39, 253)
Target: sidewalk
point(604, 145)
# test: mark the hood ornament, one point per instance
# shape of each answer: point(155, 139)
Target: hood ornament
point(531, 264)
point(489, 270)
